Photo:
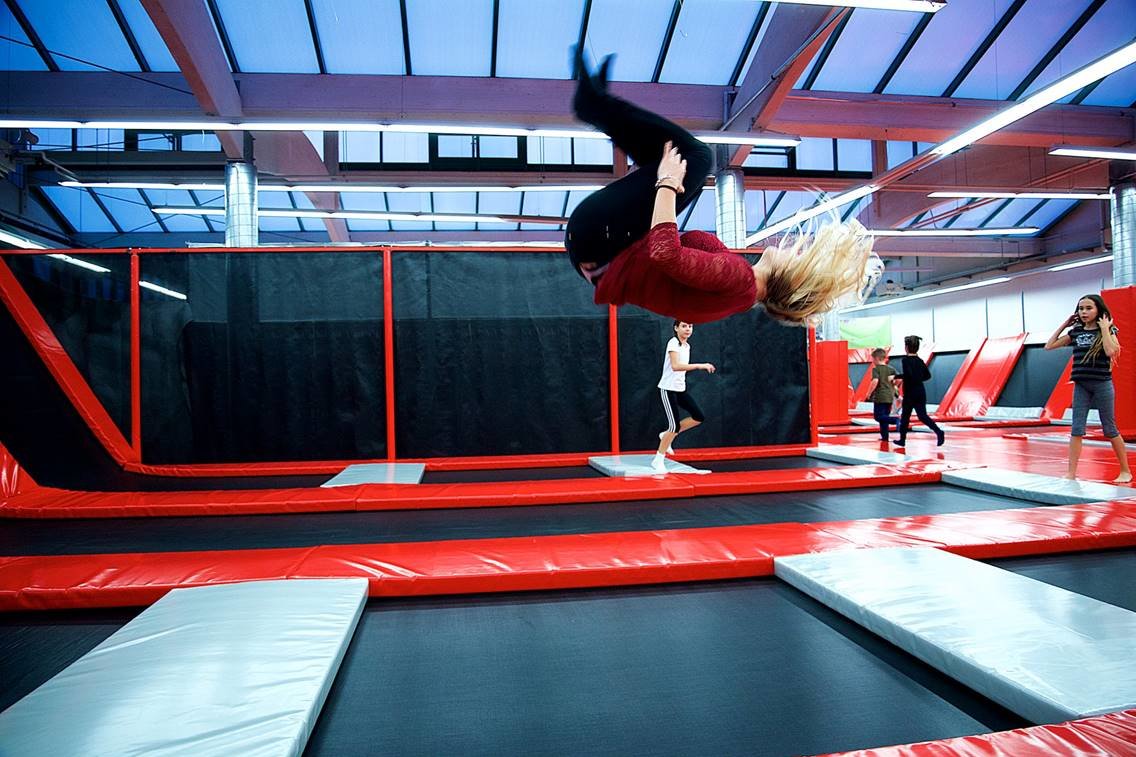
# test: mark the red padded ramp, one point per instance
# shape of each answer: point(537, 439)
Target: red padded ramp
point(552, 562)
point(1062, 397)
point(982, 377)
point(1111, 734)
point(14, 480)
point(56, 503)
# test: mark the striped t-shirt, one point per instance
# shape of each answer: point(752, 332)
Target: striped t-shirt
point(1097, 368)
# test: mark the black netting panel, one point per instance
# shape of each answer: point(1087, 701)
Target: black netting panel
point(275, 356)
point(944, 366)
point(89, 313)
point(759, 396)
point(1034, 377)
point(497, 353)
point(856, 372)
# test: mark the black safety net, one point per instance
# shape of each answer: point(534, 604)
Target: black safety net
point(759, 395)
point(1034, 377)
point(85, 299)
point(497, 353)
point(269, 356)
point(944, 366)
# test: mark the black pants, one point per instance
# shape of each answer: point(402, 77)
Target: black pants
point(920, 408)
point(881, 411)
point(673, 402)
point(611, 219)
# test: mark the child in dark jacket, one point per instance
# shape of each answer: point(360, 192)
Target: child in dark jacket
point(913, 374)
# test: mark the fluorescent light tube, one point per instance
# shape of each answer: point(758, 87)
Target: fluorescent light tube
point(162, 290)
point(991, 232)
point(801, 216)
point(1110, 153)
point(1080, 263)
point(921, 295)
point(22, 242)
point(1026, 195)
point(1065, 86)
point(80, 263)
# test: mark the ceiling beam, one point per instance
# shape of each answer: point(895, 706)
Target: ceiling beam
point(794, 35)
point(536, 102)
point(187, 30)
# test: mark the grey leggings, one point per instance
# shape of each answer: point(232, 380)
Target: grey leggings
point(1094, 394)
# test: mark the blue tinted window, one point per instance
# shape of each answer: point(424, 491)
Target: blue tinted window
point(130, 211)
point(286, 49)
point(1050, 213)
point(491, 203)
point(549, 150)
point(52, 139)
point(949, 40)
point(202, 142)
point(359, 147)
point(409, 202)
point(815, 154)
point(897, 152)
point(1031, 34)
point(634, 30)
point(533, 37)
point(399, 147)
point(83, 30)
point(868, 44)
point(368, 202)
point(15, 57)
point(1110, 28)
point(497, 147)
point(542, 204)
point(79, 208)
point(708, 40)
point(455, 202)
point(450, 37)
point(593, 152)
point(360, 36)
point(455, 146)
point(153, 47)
point(854, 154)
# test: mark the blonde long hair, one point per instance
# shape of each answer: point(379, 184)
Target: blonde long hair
point(814, 270)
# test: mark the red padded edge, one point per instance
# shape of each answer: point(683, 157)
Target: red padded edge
point(984, 378)
point(13, 479)
point(1112, 734)
point(1061, 398)
point(551, 562)
point(960, 377)
point(56, 503)
point(62, 368)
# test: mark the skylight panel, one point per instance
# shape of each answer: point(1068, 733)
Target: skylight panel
point(632, 29)
point(360, 36)
point(1109, 28)
point(945, 46)
point(153, 47)
point(81, 29)
point(79, 208)
point(1027, 38)
point(533, 38)
point(868, 44)
point(130, 211)
point(707, 42)
point(284, 46)
point(450, 37)
point(14, 57)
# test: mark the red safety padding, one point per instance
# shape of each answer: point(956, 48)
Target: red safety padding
point(1122, 304)
point(1061, 399)
point(829, 371)
point(13, 479)
point(1112, 735)
point(982, 378)
point(56, 503)
point(62, 368)
point(551, 562)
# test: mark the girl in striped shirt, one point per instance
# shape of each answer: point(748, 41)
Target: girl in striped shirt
point(1093, 338)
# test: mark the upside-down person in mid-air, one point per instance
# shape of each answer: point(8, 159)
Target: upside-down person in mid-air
point(625, 241)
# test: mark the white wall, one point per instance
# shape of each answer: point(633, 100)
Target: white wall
point(1035, 303)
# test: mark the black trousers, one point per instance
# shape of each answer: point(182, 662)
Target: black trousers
point(920, 408)
point(611, 219)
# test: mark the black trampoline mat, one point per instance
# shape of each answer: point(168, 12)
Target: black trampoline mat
point(742, 667)
point(794, 462)
point(1107, 575)
point(49, 537)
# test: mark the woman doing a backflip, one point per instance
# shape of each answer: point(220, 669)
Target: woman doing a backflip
point(624, 239)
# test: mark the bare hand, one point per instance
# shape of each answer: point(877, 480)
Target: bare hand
point(1105, 322)
point(709, 367)
point(1072, 320)
point(672, 167)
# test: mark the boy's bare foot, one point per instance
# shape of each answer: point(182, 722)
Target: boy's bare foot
point(1070, 477)
point(1123, 478)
